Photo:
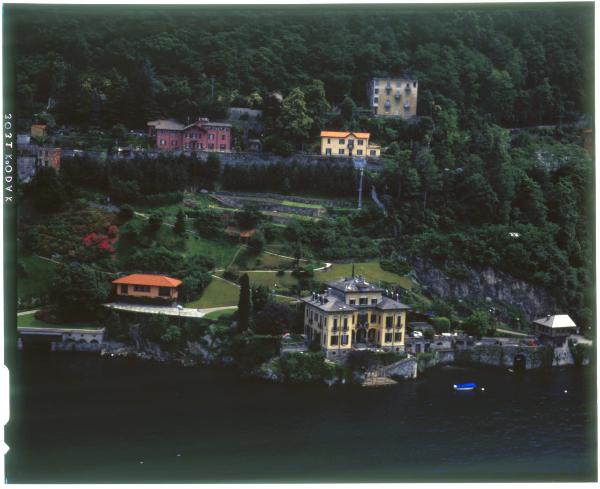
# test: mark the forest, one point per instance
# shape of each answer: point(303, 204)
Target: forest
point(523, 65)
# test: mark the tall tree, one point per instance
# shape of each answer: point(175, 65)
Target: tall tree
point(244, 304)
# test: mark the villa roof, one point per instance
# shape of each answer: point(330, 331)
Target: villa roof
point(200, 123)
point(557, 321)
point(390, 304)
point(344, 134)
point(153, 280)
point(330, 303)
point(167, 124)
point(355, 284)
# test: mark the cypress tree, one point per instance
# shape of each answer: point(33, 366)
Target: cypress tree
point(180, 223)
point(244, 303)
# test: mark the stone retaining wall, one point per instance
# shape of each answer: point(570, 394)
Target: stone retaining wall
point(407, 369)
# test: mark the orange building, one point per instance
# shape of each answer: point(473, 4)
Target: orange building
point(148, 286)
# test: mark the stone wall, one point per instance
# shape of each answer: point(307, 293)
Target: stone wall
point(507, 356)
point(253, 158)
point(407, 369)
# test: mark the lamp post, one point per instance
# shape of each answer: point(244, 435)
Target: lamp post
point(179, 309)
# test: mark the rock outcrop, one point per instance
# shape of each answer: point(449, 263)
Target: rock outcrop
point(533, 300)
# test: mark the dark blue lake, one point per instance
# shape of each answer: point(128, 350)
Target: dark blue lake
point(83, 418)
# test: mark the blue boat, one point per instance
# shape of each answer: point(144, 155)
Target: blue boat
point(464, 387)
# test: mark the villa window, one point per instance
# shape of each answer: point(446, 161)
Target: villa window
point(388, 337)
point(211, 146)
point(162, 142)
point(373, 301)
point(173, 143)
point(222, 147)
point(377, 90)
point(141, 288)
point(373, 317)
point(345, 323)
point(211, 137)
point(328, 151)
point(363, 301)
point(222, 137)
point(373, 152)
point(341, 141)
point(164, 291)
point(341, 151)
point(388, 321)
point(360, 142)
point(124, 289)
point(375, 100)
point(359, 152)
point(328, 140)
point(352, 302)
point(398, 337)
point(344, 339)
point(334, 340)
point(335, 324)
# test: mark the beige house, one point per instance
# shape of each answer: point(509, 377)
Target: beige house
point(394, 97)
point(354, 314)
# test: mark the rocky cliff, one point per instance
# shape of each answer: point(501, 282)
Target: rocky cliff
point(480, 284)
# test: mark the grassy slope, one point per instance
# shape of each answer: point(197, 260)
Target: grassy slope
point(29, 320)
point(36, 284)
point(247, 260)
point(370, 270)
point(218, 293)
point(220, 252)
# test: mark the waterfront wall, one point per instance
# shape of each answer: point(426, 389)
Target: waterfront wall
point(407, 369)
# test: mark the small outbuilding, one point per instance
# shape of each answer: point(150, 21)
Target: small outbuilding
point(554, 330)
point(148, 286)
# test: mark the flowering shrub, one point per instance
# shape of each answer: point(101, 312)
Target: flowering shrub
point(103, 242)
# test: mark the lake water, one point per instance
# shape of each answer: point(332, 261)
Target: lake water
point(83, 418)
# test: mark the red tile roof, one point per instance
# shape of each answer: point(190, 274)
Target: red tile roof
point(155, 280)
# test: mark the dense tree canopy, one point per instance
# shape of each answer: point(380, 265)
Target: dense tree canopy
point(517, 65)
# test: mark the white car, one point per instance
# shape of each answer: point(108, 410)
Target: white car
point(417, 334)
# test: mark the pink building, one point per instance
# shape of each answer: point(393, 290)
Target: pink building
point(201, 135)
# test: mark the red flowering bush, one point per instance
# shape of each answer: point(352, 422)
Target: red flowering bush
point(103, 242)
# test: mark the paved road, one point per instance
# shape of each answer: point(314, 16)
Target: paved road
point(508, 331)
point(23, 313)
point(166, 310)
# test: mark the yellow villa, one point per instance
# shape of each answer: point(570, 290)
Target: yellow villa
point(354, 314)
point(348, 143)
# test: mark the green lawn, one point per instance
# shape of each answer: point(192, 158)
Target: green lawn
point(218, 293)
point(218, 314)
point(370, 270)
point(291, 203)
point(36, 284)
point(269, 279)
point(220, 251)
point(249, 260)
point(29, 321)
